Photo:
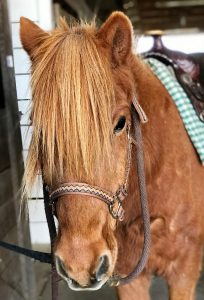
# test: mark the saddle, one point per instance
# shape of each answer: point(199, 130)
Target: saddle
point(188, 69)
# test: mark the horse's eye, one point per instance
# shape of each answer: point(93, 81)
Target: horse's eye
point(120, 125)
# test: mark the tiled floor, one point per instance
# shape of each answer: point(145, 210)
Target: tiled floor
point(158, 289)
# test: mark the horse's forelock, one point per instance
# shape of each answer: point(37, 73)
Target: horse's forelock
point(71, 109)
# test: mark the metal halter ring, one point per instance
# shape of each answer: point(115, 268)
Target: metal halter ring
point(117, 212)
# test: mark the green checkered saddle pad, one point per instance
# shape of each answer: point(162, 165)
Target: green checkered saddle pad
point(194, 127)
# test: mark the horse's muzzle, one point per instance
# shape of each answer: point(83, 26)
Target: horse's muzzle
point(97, 280)
point(93, 286)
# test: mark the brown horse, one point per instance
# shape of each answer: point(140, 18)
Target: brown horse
point(83, 83)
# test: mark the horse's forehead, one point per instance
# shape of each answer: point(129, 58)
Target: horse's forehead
point(78, 31)
point(81, 31)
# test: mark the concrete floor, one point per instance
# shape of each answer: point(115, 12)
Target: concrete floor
point(158, 288)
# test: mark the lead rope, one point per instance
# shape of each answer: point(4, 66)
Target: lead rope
point(144, 204)
point(53, 233)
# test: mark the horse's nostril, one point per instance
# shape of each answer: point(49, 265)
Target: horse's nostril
point(60, 267)
point(102, 267)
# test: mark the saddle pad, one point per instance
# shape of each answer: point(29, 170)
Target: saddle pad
point(194, 127)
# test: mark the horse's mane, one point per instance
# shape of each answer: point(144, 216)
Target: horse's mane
point(71, 107)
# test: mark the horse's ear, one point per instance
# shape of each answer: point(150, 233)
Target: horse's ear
point(31, 35)
point(117, 33)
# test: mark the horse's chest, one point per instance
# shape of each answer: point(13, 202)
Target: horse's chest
point(171, 241)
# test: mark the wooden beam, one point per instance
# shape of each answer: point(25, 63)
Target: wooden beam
point(81, 8)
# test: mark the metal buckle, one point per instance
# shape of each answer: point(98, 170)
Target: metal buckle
point(114, 280)
point(116, 209)
point(121, 193)
point(202, 116)
point(128, 131)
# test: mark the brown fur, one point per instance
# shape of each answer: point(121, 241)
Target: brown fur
point(173, 172)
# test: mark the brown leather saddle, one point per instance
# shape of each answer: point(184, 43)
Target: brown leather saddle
point(188, 68)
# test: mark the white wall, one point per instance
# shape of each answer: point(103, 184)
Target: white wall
point(39, 11)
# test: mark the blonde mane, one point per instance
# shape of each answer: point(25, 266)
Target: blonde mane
point(71, 106)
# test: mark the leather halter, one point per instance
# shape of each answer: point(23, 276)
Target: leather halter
point(113, 200)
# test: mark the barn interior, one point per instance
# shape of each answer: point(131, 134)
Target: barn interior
point(179, 15)
point(181, 22)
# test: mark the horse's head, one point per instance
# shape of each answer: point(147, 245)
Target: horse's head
point(82, 84)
